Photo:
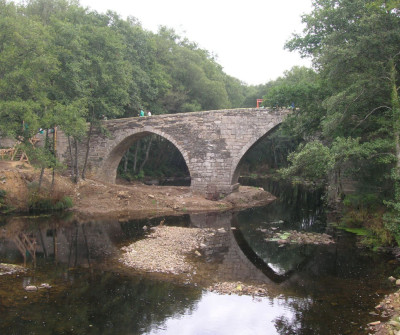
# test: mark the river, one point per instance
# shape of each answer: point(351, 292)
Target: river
point(315, 289)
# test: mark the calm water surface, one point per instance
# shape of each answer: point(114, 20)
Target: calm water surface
point(314, 289)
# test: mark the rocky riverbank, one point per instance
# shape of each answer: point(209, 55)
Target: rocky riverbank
point(387, 313)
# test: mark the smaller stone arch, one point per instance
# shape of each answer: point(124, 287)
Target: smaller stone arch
point(108, 169)
point(235, 164)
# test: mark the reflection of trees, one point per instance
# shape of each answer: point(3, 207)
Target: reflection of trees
point(339, 284)
point(328, 315)
point(296, 325)
point(58, 240)
point(298, 207)
point(26, 244)
point(103, 303)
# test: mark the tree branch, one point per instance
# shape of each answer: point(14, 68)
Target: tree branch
point(368, 115)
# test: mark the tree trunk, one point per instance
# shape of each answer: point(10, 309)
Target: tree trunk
point(135, 156)
point(55, 242)
point(126, 161)
point(87, 149)
point(275, 154)
point(41, 178)
point(46, 144)
point(87, 245)
point(54, 163)
point(396, 125)
point(71, 157)
point(147, 154)
point(76, 161)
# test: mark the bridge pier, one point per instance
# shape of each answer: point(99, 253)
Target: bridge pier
point(212, 144)
point(214, 190)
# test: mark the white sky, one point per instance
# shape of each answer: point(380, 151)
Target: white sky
point(247, 36)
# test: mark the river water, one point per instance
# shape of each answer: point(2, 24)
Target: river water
point(314, 289)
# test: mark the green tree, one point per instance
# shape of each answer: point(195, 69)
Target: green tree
point(355, 47)
point(27, 65)
point(304, 89)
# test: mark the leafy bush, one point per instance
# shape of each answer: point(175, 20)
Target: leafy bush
point(360, 201)
point(391, 221)
point(140, 175)
point(2, 199)
point(45, 201)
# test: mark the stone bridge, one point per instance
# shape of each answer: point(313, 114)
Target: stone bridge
point(211, 142)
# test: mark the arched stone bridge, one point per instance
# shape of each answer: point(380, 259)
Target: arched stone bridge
point(212, 143)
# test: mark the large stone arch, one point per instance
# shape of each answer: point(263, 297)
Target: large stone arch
point(212, 143)
point(236, 162)
point(122, 142)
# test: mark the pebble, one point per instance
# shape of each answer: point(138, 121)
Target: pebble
point(31, 288)
point(45, 285)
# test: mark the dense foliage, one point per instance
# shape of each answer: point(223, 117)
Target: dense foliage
point(65, 65)
point(347, 109)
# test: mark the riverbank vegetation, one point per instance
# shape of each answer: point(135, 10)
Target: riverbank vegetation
point(348, 110)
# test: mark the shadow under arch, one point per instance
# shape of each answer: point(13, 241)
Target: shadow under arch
point(109, 167)
point(259, 262)
point(235, 172)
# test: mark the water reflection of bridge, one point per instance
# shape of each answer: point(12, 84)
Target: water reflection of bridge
point(81, 244)
point(223, 250)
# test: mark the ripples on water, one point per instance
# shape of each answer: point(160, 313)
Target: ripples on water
point(325, 289)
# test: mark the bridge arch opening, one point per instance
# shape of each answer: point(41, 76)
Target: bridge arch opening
point(149, 157)
point(260, 154)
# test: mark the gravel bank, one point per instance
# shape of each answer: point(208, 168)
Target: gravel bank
point(165, 250)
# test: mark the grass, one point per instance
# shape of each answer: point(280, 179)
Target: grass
point(357, 231)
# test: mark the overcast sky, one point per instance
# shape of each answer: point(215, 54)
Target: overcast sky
point(247, 37)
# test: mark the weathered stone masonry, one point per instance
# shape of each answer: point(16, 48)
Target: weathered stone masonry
point(212, 143)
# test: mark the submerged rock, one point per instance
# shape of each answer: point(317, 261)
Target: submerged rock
point(238, 288)
point(45, 285)
point(31, 288)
